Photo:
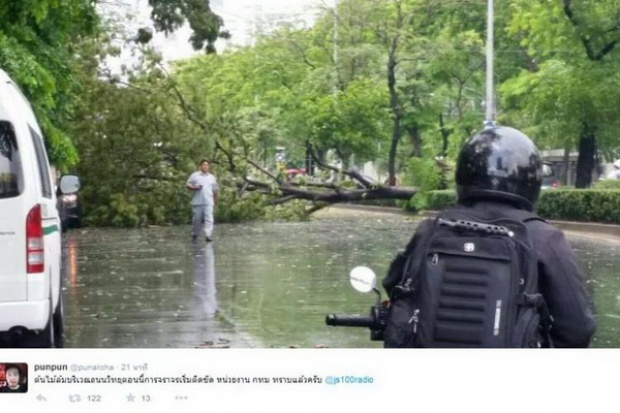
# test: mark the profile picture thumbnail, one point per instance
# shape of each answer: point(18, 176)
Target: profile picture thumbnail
point(13, 377)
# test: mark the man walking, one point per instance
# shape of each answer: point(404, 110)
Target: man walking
point(204, 200)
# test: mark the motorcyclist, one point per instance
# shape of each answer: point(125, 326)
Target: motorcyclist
point(499, 171)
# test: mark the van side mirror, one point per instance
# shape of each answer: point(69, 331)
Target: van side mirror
point(69, 184)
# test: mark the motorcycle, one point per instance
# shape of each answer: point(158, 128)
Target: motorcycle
point(364, 280)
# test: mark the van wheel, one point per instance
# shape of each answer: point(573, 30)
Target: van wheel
point(59, 324)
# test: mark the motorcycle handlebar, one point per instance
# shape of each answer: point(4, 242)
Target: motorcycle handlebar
point(345, 320)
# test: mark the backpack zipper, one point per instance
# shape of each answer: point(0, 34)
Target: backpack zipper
point(407, 284)
point(415, 319)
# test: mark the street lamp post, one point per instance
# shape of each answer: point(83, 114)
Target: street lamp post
point(490, 103)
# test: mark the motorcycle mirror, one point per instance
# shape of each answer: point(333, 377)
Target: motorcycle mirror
point(363, 279)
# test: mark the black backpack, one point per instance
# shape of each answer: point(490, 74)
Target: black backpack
point(475, 285)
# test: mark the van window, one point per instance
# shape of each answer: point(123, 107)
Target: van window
point(44, 172)
point(11, 176)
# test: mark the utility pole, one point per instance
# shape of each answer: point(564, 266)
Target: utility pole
point(335, 52)
point(490, 101)
point(335, 59)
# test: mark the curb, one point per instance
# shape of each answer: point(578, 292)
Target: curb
point(601, 229)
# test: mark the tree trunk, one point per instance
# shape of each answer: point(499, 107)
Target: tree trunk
point(309, 161)
point(445, 134)
point(344, 159)
point(332, 194)
point(585, 161)
point(393, 146)
point(564, 176)
point(396, 112)
point(416, 140)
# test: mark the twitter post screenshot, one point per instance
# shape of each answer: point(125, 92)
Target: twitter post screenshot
point(309, 205)
point(305, 380)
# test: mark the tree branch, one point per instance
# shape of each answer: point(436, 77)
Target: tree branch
point(260, 168)
point(568, 11)
point(605, 50)
point(322, 185)
point(317, 185)
point(283, 200)
point(316, 207)
point(229, 157)
point(382, 192)
point(304, 56)
point(355, 174)
point(322, 164)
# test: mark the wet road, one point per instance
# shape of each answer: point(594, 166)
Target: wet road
point(257, 285)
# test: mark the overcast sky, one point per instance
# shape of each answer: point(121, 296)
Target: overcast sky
point(238, 16)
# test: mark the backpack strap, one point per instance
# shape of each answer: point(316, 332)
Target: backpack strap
point(535, 300)
point(546, 319)
point(402, 272)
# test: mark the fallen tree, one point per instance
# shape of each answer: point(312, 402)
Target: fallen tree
point(324, 193)
point(320, 193)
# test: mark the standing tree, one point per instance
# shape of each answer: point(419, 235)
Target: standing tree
point(571, 92)
point(36, 38)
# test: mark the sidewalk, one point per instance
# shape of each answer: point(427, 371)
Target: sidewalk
point(607, 232)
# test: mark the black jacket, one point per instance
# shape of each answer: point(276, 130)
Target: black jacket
point(560, 280)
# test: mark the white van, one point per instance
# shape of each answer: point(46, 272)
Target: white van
point(30, 239)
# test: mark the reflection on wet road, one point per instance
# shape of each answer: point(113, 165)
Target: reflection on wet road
point(257, 285)
point(205, 292)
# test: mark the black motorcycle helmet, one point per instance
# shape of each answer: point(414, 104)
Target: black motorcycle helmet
point(499, 163)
